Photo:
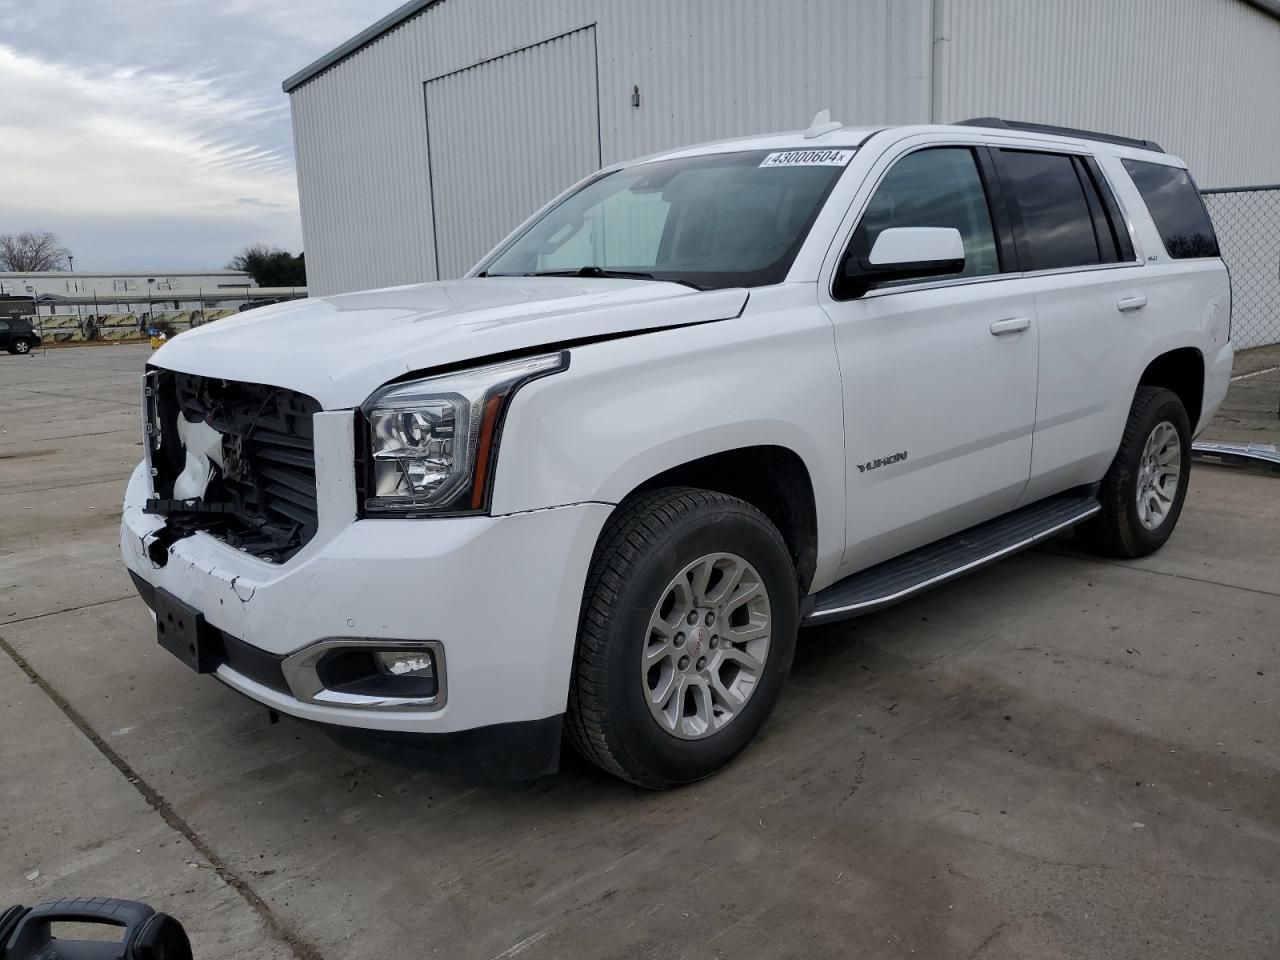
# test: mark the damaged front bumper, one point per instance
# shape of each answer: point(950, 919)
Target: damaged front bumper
point(478, 589)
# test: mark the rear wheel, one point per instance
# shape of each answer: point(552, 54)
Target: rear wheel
point(687, 632)
point(1143, 491)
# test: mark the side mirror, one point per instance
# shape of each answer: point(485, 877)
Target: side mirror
point(905, 253)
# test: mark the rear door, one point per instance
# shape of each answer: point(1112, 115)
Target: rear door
point(939, 376)
point(1079, 257)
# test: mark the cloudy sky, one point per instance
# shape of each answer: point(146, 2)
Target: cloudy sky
point(155, 135)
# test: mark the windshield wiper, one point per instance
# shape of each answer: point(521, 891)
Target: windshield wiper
point(594, 271)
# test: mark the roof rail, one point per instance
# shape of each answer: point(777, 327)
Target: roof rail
point(999, 124)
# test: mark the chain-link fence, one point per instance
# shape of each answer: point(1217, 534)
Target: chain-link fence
point(1247, 220)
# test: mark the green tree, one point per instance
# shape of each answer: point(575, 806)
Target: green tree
point(270, 266)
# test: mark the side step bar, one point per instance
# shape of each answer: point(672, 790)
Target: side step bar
point(902, 577)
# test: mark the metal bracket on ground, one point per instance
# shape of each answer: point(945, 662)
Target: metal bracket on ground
point(1259, 457)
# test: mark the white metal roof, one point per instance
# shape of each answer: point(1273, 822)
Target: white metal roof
point(847, 137)
point(414, 7)
point(850, 137)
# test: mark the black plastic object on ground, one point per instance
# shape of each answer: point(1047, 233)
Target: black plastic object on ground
point(27, 933)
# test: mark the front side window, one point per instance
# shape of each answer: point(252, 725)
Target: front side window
point(1057, 225)
point(937, 187)
point(1176, 207)
point(715, 220)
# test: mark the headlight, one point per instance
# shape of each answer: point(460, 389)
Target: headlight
point(432, 442)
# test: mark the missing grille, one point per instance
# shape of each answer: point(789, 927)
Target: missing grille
point(260, 493)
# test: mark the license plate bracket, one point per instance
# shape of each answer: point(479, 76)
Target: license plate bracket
point(181, 629)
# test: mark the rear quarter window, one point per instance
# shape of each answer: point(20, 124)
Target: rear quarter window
point(1176, 208)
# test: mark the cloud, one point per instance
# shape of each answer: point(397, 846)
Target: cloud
point(166, 120)
point(131, 141)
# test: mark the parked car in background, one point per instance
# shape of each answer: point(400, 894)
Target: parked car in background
point(698, 401)
point(18, 335)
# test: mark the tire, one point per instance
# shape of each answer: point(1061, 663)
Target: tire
point(21, 345)
point(643, 555)
point(1125, 528)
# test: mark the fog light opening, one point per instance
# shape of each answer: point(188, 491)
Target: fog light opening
point(404, 663)
point(369, 674)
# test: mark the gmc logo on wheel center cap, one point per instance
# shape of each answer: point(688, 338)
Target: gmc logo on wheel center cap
point(697, 640)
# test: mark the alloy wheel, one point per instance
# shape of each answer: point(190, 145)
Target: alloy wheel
point(1159, 473)
point(706, 647)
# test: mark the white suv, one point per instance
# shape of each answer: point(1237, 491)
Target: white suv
point(694, 403)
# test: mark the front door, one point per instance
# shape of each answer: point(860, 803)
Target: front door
point(939, 376)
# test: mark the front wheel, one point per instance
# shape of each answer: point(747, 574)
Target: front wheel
point(1143, 491)
point(687, 632)
point(21, 346)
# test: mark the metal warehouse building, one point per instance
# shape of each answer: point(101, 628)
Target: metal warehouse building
point(423, 140)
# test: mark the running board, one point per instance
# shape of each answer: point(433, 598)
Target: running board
point(902, 577)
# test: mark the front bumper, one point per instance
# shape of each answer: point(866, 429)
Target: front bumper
point(501, 594)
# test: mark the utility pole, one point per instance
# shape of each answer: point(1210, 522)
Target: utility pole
point(75, 288)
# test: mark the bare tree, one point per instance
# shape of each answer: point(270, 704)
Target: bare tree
point(32, 251)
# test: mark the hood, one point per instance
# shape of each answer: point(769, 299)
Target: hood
point(340, 349)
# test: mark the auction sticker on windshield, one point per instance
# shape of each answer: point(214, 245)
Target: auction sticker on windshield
point(808, 158)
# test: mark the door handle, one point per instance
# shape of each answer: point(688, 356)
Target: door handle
point(1129, 304)
point(999, 328)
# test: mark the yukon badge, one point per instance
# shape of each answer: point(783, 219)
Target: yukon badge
point(881, 461)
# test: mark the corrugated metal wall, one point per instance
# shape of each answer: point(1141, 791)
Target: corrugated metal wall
point(543, 98)
point(1200, 77)
point(705, 70)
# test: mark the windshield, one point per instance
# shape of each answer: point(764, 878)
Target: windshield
point(715, 220)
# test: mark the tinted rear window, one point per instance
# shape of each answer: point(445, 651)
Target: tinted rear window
point(1056, 221)
point(1176, 208)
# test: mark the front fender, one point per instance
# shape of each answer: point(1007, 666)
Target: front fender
point(627, 410)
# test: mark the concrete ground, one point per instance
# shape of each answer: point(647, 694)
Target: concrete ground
point(1251, 413)
point(1057, 757)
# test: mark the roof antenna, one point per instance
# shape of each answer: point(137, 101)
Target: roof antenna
point(822, 123)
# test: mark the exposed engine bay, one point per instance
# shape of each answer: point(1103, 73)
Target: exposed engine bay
point(234, 459)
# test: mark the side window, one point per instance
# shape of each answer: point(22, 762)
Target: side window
point(937, 187)
point(1109, 224)
point(1057, 225)
point(1176, 207)
point(4, 326)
